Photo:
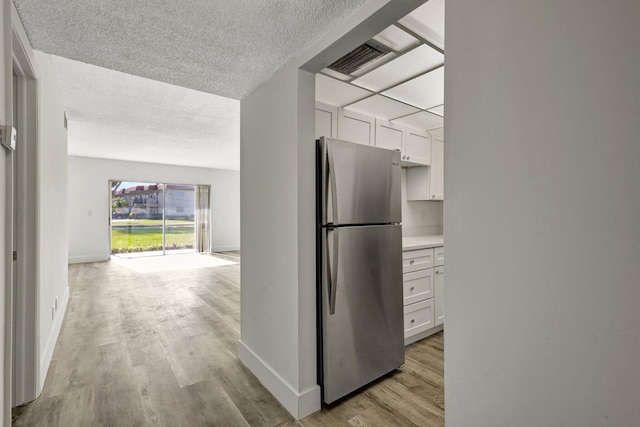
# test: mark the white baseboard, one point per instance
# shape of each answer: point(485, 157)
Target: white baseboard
point(88, 258)
point(225, 248)
point(47, 352)
point(299, 404)
point(423, 335)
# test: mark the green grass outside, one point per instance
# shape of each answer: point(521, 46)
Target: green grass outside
point(144, 240)
point(158, 222)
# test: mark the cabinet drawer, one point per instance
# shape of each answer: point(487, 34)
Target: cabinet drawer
point(417, 260)
point(417, 286)
point(418, 317)
point(438, 256)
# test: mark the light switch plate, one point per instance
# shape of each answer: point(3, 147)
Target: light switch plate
point(8, 137)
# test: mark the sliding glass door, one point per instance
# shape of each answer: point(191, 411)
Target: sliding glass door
point(179, 215)
point(153, 218)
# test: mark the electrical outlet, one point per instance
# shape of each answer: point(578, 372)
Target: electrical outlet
point(56, 304)
point(53, 312)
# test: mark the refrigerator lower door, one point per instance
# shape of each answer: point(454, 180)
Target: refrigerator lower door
point(361, 303)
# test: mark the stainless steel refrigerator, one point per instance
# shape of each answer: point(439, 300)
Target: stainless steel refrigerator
point(360, 311)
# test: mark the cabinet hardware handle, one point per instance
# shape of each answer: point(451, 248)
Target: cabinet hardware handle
point(411, 262)
point(408, 157)
point(413, 320)
point(412, 288)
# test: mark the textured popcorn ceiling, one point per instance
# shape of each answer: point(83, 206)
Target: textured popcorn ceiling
point(118, 116)
point(225, 47)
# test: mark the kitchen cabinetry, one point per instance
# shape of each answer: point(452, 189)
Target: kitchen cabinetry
point(389, 135)
point(427, 183)
point(417, 147)
point(439, 290)
point(326, 120)
point(356, 127)
point(414, 145)
point(423, 292)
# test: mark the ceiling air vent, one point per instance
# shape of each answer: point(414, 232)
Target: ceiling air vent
point(359, 57)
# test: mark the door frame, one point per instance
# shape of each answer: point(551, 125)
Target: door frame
point(23, 331)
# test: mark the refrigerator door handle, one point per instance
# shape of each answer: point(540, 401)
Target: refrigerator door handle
point(331, 176)
point(333, 271)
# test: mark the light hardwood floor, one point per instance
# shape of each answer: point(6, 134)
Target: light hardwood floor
point(146, 347)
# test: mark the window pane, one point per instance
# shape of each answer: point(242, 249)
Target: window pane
point(180, 218)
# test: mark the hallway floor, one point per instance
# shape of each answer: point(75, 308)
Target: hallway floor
point(154, 342)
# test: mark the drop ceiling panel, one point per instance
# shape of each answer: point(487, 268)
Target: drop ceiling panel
point(335, 74)
point(396, 39)
point(381, 107)
point(334, 92)
point(421, 120)
point(413, 63)
point(439, 110)
point(427, 21)
point(425, 91)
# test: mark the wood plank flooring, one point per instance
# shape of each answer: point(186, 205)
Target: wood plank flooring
point(160, 349)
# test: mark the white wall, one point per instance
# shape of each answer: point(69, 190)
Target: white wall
point(419, 216)
point(278, 239)
point(543, 213)
point(52, 211)
point(89, 208)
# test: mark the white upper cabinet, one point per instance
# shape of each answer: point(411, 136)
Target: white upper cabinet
point(436, 171)
point(427, 183)
point(356, 127)
point(326, 120)
point(414, 145)
point(389, 135)
point(417, 147)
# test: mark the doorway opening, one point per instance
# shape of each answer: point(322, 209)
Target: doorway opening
point(152, 218)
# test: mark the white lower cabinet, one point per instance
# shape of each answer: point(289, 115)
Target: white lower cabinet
point(418, 317)
point(439, 290)
point(423, 291)
point(418, 285)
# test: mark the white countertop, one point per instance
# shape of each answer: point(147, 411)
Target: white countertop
point(422, 242)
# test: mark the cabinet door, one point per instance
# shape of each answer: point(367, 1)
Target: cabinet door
point(436, 171)
point(418, 317)
point(355, 127)
point(420, 259)
point(438, 256)
point(417, 147)
point(326, 120)
point(417, 286)
point(439, 295)
point(389, 135)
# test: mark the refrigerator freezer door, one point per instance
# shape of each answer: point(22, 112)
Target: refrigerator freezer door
point(362, 312)
point(359, 184)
